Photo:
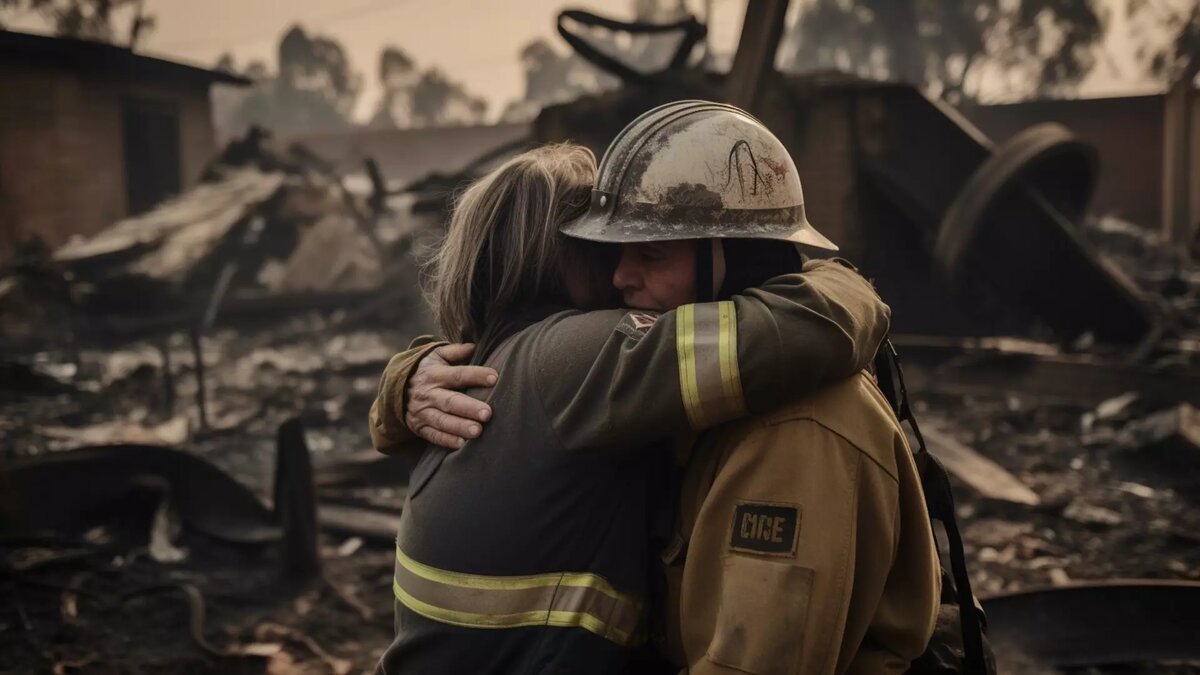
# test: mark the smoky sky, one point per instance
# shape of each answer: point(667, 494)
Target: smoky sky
point(475, 43)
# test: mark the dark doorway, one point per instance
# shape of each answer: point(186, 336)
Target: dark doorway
point(152, 162)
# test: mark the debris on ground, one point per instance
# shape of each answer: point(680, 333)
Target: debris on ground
point(982, 474)
point(268, 229)
point(1079, 624)
point(138, 464)
point(214, 555)
point(1171, 435)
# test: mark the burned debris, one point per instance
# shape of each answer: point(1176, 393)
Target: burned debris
point(94, 533)
point(185, 458)
point(156, 480)
point(1117, 621)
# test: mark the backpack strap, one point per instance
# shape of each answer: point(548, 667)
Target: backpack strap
point(939, 499)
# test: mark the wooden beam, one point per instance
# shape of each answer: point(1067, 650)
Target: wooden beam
point(982, 474)
point(761, 32)
point(1039, 372)
point(1177, 161)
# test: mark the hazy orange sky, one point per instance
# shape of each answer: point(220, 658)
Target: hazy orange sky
point(475, 42)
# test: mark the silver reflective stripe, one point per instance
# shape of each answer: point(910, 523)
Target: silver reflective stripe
point(709, 377)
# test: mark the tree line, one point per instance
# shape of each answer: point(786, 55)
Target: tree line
point(315, 87)
point(959, 50)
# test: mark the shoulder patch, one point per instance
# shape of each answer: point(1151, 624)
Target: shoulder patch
point(638, 323)
point(765, 528)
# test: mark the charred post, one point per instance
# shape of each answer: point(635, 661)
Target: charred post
point(295, 506)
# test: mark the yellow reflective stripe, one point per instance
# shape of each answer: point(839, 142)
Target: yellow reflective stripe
point(554, 599)
point(685, 347)
point(731, 376)
point(709, 376)
point(558, 619)
point(515, 583)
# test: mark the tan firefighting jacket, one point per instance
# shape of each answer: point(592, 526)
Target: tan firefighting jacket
point(804, 545)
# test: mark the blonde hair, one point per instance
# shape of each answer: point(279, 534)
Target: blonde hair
point(503, 248)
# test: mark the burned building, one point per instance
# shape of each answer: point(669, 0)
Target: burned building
point(91, 132)
point(406, 155)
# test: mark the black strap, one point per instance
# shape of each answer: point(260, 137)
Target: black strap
point(693, 32)
point(939, 499)
point(704, 271)
point(884, 376)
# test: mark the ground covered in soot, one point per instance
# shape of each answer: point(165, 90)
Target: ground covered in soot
point(112, 598)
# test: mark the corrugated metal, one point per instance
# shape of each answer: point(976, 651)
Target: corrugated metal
point(182, 230)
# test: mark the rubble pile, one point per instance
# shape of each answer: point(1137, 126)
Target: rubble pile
point(129, 570)
point(1105, 509)
point(1057, 481)
point(141, 419)
point(269, 229)
point(1167, 271)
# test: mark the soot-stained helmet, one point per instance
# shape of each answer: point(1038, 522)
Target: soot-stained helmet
point(696, 170)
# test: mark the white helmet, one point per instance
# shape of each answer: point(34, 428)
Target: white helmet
point(696, 170)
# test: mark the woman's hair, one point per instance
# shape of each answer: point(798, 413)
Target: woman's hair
point(503, 248)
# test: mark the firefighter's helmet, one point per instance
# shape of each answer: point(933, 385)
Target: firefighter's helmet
point(696, 170)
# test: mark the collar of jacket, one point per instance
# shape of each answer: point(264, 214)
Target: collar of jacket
point(505, 327)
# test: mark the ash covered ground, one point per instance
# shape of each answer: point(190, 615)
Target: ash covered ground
point(112, 598)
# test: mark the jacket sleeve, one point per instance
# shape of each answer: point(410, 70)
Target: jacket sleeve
point(623, 379)
point(389, 434)
point(835, 562)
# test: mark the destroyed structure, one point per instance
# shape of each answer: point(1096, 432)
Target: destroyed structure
point(93, 132)
point(185, 458)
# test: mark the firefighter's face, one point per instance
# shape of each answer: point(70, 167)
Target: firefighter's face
point(657, 275)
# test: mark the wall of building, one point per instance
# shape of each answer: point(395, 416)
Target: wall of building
point(62, 165)
point(1127, 132)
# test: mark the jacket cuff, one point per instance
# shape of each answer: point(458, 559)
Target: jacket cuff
point(405, 365)
point(388, 429)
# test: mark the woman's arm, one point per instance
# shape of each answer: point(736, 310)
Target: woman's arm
point(435, 412)
point(389, 434)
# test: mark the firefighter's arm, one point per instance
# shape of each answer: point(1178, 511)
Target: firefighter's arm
point(619, 383)
point(798, 339)
point(776, 551)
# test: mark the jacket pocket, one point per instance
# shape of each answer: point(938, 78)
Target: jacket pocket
point(760, 622)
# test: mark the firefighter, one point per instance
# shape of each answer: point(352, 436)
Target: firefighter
point(802, 542)
point(526, 549)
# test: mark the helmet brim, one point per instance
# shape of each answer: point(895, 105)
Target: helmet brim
point(596, 227)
